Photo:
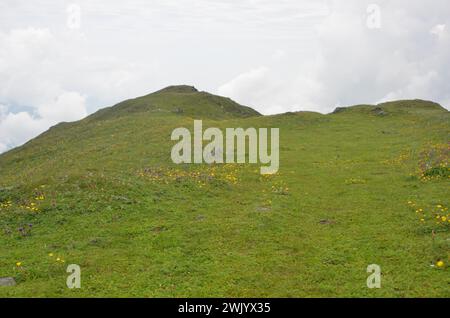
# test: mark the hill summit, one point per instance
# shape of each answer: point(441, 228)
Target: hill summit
point(178, 89)
point(416, 106)
point(182, 100)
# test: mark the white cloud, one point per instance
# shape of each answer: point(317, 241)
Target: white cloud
point(29, 71)
point(275, 56)
point(270, 91)
point(69, 106)
point(15, 129)
point(279, 54)
point(348, 63)
point(438, 30)
point(249, 83)
point(418, 87)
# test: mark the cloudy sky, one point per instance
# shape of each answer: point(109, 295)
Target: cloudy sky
point(62, 60)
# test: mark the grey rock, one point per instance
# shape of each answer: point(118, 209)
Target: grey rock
point(200, 217)
point(158, 229)
point(379, 111)
point(327, 222)
point(7, 281)
point(263, 209)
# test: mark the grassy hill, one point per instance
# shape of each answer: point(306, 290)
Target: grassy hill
point(360, 186)
point(181, 100)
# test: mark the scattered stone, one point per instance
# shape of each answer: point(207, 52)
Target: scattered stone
point(200, 217)
point(7, 281)
point(379, 111)
point(263, 209)
point(158, 229)
point(327, 222)
point(95, 241)
point(124, 199)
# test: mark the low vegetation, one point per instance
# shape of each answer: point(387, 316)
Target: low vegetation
point(355, 187)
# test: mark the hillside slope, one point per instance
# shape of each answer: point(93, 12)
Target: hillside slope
point(104, 194)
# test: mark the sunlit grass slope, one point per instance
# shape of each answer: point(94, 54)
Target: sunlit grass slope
point(355, 187)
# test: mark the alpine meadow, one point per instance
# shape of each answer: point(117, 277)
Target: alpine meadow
point(366, 184)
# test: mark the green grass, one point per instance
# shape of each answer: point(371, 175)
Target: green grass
point(141, 226)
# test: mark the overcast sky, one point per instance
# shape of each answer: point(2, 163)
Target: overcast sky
point(62, 60)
